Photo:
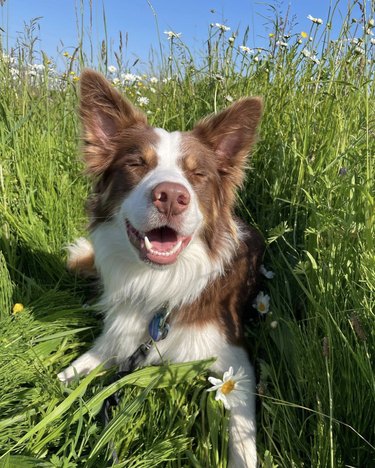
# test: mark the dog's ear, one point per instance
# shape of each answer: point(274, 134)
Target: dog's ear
point(104, 113)
point(231, 134)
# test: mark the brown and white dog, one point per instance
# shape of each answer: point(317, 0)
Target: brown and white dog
point(163, 233)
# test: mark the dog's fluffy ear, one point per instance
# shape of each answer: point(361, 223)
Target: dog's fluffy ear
point(231, 134)
point(104, 113)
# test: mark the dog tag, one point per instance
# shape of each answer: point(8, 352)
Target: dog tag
point(158, 328)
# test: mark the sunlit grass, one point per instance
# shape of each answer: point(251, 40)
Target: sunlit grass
point(310, 191)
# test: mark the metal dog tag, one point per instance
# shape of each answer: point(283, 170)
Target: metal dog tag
point(158, 328)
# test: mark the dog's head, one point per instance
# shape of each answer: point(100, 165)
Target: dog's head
point(164, 190)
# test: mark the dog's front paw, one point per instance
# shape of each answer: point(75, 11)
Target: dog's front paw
point(81, 366)
point(67, 375)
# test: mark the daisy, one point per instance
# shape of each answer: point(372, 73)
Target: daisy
point(222, 27)
point(262, 303)
point(172, 35)
point(112, 69)
point(246, 49)
point(128, 78)
point(232, 389)
point(143, 101)
point(315, 20)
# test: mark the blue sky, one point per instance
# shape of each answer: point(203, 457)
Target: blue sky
point(58, 22)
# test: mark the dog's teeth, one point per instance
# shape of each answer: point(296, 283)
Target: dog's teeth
point(177, 246)
point(148, 244)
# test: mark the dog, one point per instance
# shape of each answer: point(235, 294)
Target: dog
point(164, 237)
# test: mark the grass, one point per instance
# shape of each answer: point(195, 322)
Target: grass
point(310, 191)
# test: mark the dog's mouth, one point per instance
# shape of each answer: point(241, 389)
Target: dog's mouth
point(161, 246)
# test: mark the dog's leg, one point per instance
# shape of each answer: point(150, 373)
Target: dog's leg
point(124, 330)
point(242, 423)
point(189, 343)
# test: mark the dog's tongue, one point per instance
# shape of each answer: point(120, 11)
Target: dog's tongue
point(162, 239)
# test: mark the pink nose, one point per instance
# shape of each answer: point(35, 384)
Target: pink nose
point(170, 198)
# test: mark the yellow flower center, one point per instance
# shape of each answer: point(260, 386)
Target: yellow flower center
point(261, 307)
point(228, 386)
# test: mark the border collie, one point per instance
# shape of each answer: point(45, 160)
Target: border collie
point(163, 237)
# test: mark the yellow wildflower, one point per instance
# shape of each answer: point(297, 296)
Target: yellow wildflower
point(304, 34)
point(18, 308)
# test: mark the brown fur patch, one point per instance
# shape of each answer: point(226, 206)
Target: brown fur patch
point(226, 300)
point(134, 157)
point(104, 113)
point(230, 135)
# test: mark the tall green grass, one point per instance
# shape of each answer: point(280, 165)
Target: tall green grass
point(310, 190)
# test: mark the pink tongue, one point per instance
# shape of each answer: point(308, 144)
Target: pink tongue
point(162, 239)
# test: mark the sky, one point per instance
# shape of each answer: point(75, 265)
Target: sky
point(58, 25)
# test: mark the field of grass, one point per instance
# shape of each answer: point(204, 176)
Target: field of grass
point(310, 190)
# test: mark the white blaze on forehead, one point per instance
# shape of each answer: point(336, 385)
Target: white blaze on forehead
point(169, 155)
point(168, 149)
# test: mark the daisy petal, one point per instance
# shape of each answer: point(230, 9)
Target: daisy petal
point(214, 381)
point(228, 374)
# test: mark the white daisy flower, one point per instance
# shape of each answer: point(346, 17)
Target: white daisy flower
point(373, 41)
point(274, 324)
point(232, 389)
point(246, 49)
point(116, 81)
point(222, 27)
point(262, 303)
point(315, 20)
point(268, 274)
point(282, 44)
point(153, 80)
point(306, 53)
point(112, 69)
point(172, 34)
point(143, 101)
point(128, 77)
point(229, 98)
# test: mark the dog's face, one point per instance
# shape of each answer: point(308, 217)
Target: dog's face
point(165, 190)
